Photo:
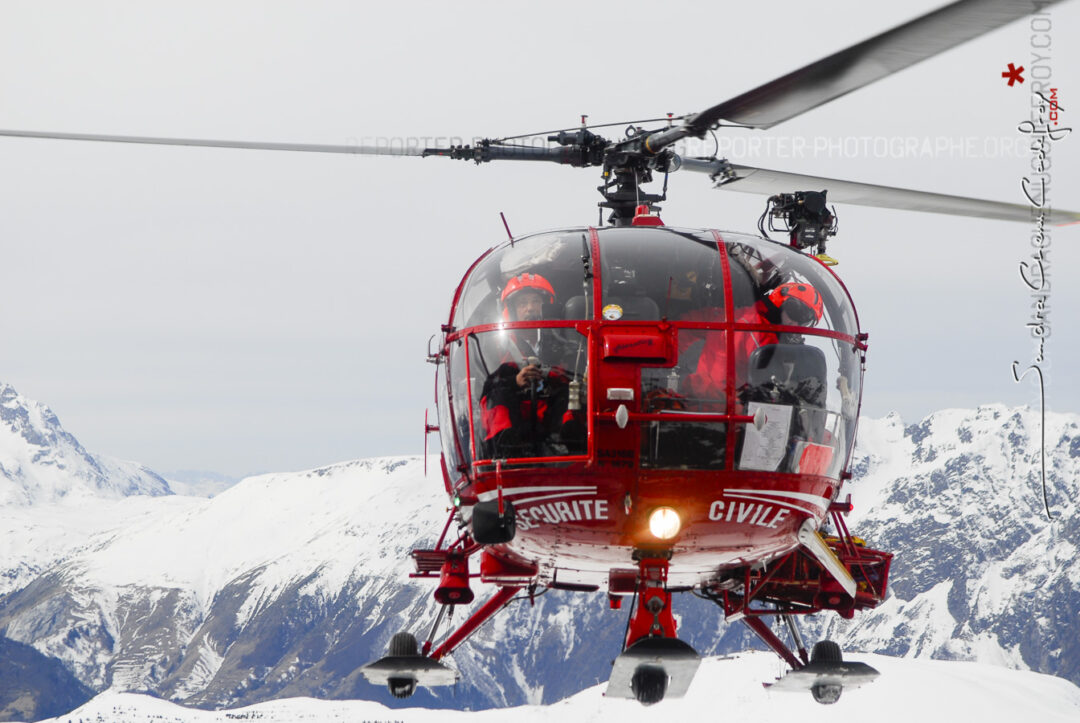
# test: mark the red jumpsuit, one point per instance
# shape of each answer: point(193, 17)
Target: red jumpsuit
point(511, 425)
point(707, 382)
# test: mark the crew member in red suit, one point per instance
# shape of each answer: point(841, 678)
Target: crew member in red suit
point(790, 304)
point(524, 402)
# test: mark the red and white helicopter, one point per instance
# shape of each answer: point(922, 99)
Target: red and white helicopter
point(643, 410)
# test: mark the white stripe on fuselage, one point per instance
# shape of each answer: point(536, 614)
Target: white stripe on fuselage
point(548, 492)
point(794, 498)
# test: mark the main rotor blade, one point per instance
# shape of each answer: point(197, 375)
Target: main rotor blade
point(354, 148)
point(866, 62)
point(749, 179)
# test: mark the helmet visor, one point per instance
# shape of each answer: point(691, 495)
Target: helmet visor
point(799, 312)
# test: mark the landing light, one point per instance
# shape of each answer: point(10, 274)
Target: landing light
point(664, 523)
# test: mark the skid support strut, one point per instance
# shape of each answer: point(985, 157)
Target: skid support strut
point(654, 663)
point(760, 629)
point(404, 667)
point(652, 615)
point(496, 603)
point(794, 630)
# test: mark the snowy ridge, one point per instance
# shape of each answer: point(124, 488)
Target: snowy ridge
point(907, 690)
point(199, 483)
point(40, 462)
point(55, 495)
point(153, 572)
point(284, 526)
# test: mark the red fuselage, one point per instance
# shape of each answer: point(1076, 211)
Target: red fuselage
point(664, 378)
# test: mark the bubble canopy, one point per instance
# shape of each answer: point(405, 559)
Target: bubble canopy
point(689, 322)
point(650, 267)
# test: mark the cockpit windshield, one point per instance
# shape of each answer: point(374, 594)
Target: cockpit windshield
point(672, 275)
point(560, 261)
point(697, 331)
point(760, 267)
point(784, 358)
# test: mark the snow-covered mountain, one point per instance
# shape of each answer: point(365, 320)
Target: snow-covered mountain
point(281, 580)
point(981, 572)
point(284, 584)
point(53, 493)
point(199, 483)
point(40, 462)
point(730, 688)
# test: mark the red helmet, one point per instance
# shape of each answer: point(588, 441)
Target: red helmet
point(535, 282)
point(803, 302)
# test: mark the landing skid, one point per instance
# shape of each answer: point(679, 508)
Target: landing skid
point(404, 668)
point(827, 674)
point(421, 670)
point(666, 664)
point(827, 680)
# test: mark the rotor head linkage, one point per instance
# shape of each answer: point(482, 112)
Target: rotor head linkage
point(627, 163)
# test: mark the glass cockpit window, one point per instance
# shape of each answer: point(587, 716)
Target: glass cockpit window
point(528, 392)
point(808, 393)
point(678, 396)
point(651, 273)
point(759, 266)
point(559, 263)
point(805, 384)
point(454, 407)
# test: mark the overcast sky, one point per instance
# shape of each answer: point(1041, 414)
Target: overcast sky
point(245, 311)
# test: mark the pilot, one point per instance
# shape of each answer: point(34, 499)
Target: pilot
point(524, 298)
point(524, 401)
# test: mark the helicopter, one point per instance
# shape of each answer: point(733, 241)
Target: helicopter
point(738, 481)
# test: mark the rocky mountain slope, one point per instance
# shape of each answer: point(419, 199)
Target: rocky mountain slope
point(33, 686)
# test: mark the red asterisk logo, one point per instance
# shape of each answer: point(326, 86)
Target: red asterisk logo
point(1014, 74)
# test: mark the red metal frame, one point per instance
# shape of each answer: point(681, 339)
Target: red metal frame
point(799, 584)
point(729, 343)
point(441, 560)
point(675, 417)
point(491, 462)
